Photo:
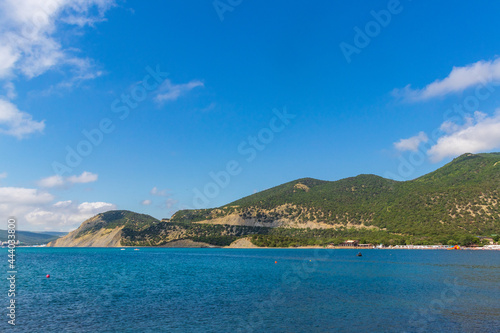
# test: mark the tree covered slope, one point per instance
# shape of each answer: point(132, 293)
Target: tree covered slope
point(450, 205)
point(461, 196)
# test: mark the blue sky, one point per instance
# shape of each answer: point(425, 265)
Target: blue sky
point(194, 104)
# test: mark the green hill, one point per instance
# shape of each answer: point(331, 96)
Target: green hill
point(115, 218)
point(451, 205)
point(460, 198)
point(105, 229)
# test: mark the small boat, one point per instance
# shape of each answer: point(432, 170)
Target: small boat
point(136, 249)
point(122, 249)
point(359, 254)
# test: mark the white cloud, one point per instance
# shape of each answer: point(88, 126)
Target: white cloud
point(10, 90)
point(93, 207)
point(17, 123)
point(412, 143)
point(62, 204)
point(479, 134)
point(160, 193)
point(459, 79)
point(29, 47)
point(64, 215)
point(85, 177)
point(27, 196)
point(59, 181)
point(171, 92)
point(8, 58)
point(36, 210)
point(146, 202)
point(52, 181)
point(169, 203)
point(29, 28)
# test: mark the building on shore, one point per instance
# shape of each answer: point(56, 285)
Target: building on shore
point(354, 244)
point(350, 243)
point(488, 240)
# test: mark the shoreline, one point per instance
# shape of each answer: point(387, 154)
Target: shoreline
point(407, 247)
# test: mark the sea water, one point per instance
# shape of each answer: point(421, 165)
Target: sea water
point(252, 290)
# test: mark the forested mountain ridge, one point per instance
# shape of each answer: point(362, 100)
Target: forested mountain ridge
point(453, 204)
point(461, 196)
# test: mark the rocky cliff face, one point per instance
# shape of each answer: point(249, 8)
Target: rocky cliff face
point(100, 238)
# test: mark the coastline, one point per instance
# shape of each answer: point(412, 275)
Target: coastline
point(402, 247)
point(396, 247)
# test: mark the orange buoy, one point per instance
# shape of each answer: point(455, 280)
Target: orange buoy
point(275, 262)
point(48, 275)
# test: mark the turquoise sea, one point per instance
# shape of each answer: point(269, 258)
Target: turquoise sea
point(253, 290)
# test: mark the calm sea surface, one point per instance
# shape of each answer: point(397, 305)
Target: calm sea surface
point(231, 290)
